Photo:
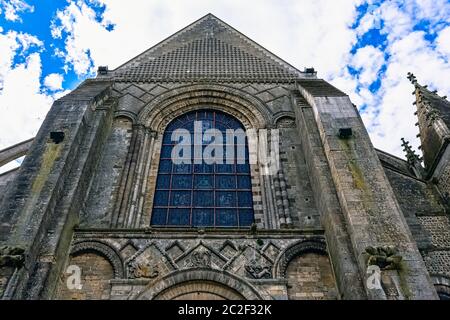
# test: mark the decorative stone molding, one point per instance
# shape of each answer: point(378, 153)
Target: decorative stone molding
point(142, 270)
point(103, 250)
point(199, 259)
point(258, 270)
point(166, 107)
point(315, 245)
point(200, 274)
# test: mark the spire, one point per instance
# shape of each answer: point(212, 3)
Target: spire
point(414, 161)
point(412, 78)
point(411, 155)
point(433, 113)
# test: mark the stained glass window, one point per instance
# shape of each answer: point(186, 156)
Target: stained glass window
point(199, 193)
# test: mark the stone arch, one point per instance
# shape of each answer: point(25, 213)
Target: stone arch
point(442, 285)
point(312, 245)
point(103, 250)
point(182, 282)
point(166, 107)
point(308, 271)
point(131, 116)
point(158, 113)
point(284, 119)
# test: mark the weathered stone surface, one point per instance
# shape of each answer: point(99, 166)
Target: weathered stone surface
point(83, 197)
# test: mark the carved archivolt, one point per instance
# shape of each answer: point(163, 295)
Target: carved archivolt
point(315, 245)
point(245, 289)
point(103, 250)
point(166, 107)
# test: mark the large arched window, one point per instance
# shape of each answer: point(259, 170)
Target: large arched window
point(203, 194)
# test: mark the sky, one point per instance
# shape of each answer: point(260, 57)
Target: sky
point(363, 47)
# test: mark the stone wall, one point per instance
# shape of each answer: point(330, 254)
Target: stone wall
point(96, 273)
point(310, 277)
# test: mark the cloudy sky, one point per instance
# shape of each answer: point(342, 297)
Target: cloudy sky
point(365, 48)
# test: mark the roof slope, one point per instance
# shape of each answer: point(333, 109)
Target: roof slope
point(208, 49)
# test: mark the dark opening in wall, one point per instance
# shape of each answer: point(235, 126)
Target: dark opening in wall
point(345, 133)
point(57, 136)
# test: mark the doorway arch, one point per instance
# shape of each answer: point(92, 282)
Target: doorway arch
point(208, 283)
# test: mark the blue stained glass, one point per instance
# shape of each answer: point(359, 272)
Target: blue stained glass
point(245, 217)
point(165, 166)
point(203, 217)
point(167, 138)
point(204, 194)
point(226, 182)
point(163, 181)
point(242, 168)
point(179, 217)
point(159, 216)
point(166, 152)
point(226, 217)
point(221, 126)
point(161, 198)
point(206, 124)
point(203, 199)
point(203, 182)
point(203, 168)
point(224, 168)
point(244, 182)
point(181, 181)
point(226, 199)
point(180, 198)
point(245, 199)
point(182, 168)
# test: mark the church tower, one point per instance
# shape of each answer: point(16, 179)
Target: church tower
point(301, 206)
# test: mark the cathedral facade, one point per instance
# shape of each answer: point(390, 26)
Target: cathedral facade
point(101, 209)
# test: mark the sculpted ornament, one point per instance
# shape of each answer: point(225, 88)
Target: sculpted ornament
point(385, 257)
point(142, 270)
point(199, 259)
point(258, 270)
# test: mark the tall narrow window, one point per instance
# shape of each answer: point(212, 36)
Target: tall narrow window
point(200, 193)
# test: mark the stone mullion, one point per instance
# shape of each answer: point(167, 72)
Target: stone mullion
point(134, 178)
point(268, 190)
point(138, 176)
point(128, 173)
point(151, 177)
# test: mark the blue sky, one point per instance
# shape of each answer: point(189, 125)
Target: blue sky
point(365, 48)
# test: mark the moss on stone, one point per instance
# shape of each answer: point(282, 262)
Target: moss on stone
point(51, 153)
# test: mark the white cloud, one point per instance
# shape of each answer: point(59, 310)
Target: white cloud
point(54, 81)
point(21, 98)
point(390, 114)
point(443, 42)
point(369, 61)
point(12, 9)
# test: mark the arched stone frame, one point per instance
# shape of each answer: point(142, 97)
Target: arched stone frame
point(283, 115)
point(251, 111)
point(126, 114)
point(224, 278)
point(102, 249)
point(315, 245)
point(441, 283)
point(158, 113)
